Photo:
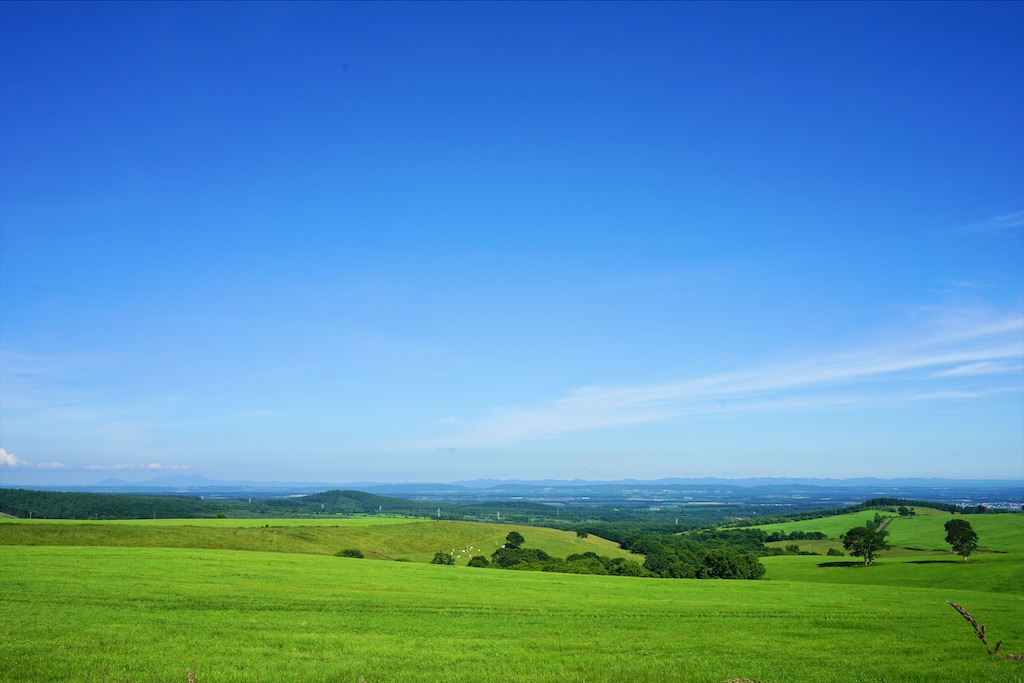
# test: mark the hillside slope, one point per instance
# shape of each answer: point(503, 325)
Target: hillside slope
point(415, 541)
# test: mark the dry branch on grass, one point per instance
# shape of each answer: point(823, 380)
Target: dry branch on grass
point(979, 630)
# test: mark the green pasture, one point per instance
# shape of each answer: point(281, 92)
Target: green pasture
point(411, 540)
point(144, 614)
point(919, 555)
point(999, 533)
point(923, 531)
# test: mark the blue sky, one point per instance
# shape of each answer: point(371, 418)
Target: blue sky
point(411, 242)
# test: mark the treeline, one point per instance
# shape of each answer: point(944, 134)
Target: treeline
point(795, 536)
point(945, 507)
point(61, 505)
point(893, 503)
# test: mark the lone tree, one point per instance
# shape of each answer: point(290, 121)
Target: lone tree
point(864, 542)
point(962, 537)
point(514, 540)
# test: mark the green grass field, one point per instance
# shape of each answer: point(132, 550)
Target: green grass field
point(921, 531)
point(85, 612)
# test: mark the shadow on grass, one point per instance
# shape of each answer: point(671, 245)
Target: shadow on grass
point(842, 564)
point(934, 562)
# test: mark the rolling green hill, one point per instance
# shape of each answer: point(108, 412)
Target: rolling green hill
point(394, 539)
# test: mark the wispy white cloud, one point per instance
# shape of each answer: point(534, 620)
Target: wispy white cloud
point(954, 343)
point(946, 395)
point(1004, 224)
point(987, 368)
point(13, 461)
point(135, 467)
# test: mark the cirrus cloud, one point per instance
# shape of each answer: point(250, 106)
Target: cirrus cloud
point(955, 345)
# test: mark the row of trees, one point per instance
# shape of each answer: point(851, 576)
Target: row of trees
point(795, 536)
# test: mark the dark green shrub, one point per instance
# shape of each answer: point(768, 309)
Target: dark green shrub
point(442, 558)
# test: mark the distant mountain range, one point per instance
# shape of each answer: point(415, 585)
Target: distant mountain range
point(199, 481)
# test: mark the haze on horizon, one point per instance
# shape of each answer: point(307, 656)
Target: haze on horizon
point(451, 241)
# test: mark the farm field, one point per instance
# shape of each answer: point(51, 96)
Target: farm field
point(132, 614)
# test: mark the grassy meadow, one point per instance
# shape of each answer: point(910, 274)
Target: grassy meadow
point(72, 610)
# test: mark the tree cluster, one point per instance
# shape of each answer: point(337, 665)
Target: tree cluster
point(714, 555)
point(694, 557)
point(442, 558)
point(514, 556)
